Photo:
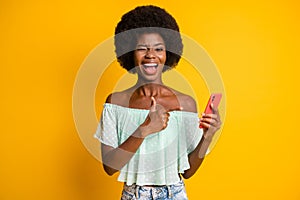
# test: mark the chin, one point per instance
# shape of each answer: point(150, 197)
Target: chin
point(150, 80)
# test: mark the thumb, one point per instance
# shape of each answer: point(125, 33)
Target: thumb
point(153, 104)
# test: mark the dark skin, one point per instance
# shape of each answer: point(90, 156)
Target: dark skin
point(150, 93)
point(167, 100)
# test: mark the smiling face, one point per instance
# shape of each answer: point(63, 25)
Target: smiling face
point(150, 57)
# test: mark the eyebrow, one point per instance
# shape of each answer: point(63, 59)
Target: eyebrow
point(145, 45)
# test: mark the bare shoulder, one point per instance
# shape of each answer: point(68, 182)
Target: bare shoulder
point(187, 102)
point(119, 98)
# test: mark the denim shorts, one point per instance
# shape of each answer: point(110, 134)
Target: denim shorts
point(168, 192)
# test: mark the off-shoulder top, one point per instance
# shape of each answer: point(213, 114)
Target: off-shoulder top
point(162, 155)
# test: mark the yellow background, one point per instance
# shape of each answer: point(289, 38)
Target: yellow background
point(254, 44)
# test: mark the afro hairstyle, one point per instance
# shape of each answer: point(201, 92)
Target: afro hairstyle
point(147, 19)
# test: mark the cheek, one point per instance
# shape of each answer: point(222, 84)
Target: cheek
point(163, 58)
point(136, 59)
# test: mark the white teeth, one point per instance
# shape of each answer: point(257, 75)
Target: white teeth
point(150, 64)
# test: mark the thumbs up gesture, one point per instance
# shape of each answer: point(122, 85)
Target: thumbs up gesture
point(156, 120)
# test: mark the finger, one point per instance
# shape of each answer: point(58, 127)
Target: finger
point(160, 109)
point(204, 125)
point(208, 120)
point(167, 114)
point(212, 122)
point(214, 109)
point(216, 112)
point(164, 126)
point(153, 104)
point(214, 116)
point(165, 117)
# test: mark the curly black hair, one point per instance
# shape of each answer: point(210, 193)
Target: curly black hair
point(147, 19)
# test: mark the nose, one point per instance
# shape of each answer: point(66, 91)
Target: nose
point(150, 53)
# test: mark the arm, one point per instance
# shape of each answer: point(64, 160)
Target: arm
point(116, 158)
point(211, 123)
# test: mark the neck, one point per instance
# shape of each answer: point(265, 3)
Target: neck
point(141, 81)
point(150, 89)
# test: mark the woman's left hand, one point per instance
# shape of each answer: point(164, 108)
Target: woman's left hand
point(210, 123)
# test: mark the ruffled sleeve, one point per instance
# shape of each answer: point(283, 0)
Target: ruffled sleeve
point(192, 131)
point(106, 131)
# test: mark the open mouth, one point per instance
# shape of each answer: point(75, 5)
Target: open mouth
point(150, 68)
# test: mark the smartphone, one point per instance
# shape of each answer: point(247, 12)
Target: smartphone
point(214, 99)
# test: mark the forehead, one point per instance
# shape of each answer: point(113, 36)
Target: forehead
point(150, 39)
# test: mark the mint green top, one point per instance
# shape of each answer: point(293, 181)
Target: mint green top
point(162, 155)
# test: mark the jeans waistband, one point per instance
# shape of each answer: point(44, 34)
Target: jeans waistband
point(134, 189)
point(153, 188)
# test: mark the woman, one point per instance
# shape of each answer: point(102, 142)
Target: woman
point(150, 132)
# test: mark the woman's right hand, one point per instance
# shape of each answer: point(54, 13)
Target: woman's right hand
point(156, 120)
